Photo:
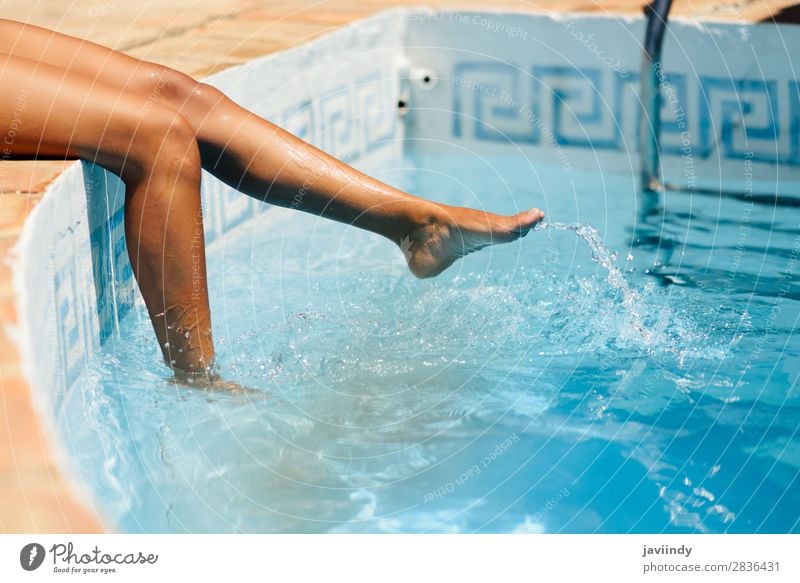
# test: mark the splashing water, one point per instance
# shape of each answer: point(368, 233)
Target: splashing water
point(631, 299)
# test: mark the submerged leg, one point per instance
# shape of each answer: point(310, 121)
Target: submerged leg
point(268, 163)
point(157, 157)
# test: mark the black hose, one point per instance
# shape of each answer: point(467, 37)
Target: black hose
point(657, 13)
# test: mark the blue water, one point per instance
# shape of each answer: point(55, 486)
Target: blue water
point(524, 390)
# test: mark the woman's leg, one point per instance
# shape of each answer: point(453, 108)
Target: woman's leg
point(156, 155)
point(266, 162)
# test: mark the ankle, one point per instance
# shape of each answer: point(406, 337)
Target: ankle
point(424, 215)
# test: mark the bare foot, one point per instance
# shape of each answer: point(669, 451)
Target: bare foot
point(212, 382)
point(455, 232)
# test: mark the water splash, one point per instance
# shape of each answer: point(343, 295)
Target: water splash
point(631, 299)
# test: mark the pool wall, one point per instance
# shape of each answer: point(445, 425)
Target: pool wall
point(564, 90)
point(558, 89)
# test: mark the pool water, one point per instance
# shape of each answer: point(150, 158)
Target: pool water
point(518, 392)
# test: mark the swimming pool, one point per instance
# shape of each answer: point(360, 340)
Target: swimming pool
point(521, 391)
point(514, 393)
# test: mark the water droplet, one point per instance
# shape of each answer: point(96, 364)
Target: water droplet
point(166, 345)
point(186, 334)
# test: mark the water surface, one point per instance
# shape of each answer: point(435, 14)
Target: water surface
point(524, 390)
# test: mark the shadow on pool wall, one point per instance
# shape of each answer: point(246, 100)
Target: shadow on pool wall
point(555, 89)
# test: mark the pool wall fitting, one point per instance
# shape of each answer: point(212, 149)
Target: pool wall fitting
point(560, 89)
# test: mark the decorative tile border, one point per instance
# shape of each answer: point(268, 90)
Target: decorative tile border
point(727, 113)
point(573, 83)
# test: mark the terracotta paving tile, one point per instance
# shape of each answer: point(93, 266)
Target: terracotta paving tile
point(30, 175)
point(6, 244)
point(42, 503)
point(14, 209)
point(9, 356)
point(8, 309)
point(183, 53)
point(201, 69)
point(25, 447)
point(336, 15)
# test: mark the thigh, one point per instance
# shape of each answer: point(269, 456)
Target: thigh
point(50, 112)
point(79, 56)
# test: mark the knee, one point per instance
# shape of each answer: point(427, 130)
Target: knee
point(174, 89)
point(166, 143)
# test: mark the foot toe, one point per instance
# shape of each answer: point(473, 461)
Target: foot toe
point(527, 219)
